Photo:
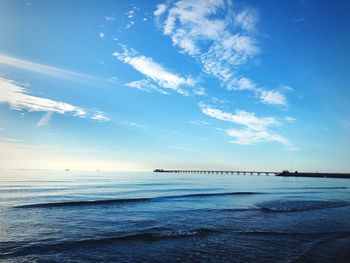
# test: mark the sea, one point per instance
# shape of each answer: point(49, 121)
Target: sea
point(79, 216)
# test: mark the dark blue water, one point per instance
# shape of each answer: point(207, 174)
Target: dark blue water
point(146, 217)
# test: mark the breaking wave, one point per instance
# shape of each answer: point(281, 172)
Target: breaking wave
point(130, 200)
point(150, 235)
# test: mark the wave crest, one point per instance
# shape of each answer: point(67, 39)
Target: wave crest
point(130, 200)
point(298, 206)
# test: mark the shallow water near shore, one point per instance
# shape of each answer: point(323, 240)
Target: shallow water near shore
point(60, 216)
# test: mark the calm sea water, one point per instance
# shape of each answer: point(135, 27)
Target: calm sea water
point(147, 217)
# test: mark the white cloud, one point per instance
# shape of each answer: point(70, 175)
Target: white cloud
point(180, 148)
point(161, 8)
point(273, 97)
point(133, 124)
point(11, 140)
point(249, 136)
point(244, 84)
point(240, 117)
point(99, 116)
point(255, 129)
point(113, 79)
point(109, 18)
point(290, 119)
point(102, 35)
point(19, 99)
point(145, 85)
point(194, 27)
point(130, 24)
point(199, 122)
point(287, 88)
point(188, 23)
point(220, 44)
point(216, 100)
point(247, 19)
point(44, 69)
point(199, 91)
point(155, 72)
point(45, 119)
point(130, 13)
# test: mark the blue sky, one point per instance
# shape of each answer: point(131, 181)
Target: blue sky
point(137, 85)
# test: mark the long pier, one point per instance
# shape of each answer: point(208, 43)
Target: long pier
point(284, 173)
point(216, 172)
point(324, 175)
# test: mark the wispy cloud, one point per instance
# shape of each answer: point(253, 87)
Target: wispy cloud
point(99, 116)
point(145, 85)
point(109, 18)
point(273, 97)
point(290, 119)
point(246, 19)
point(243, 84)
point(11, 140)
point(19, 99)
point(249, 136)
point(45, 119)
point(180, 148)
point(189, 22)
point(160, 9)
point(133, 124)
point(241, 117)
point(130, 15)
point(216, 100)
point(254, 129)
point(220, 44)
point(199, 91)
point(45, 69)
point(200, 122)
point(156, 74)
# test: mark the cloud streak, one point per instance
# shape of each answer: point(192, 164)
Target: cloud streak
point(145, 85)
point(19, 98)
point(45, 69)
point(270, 97)
point(254, 129)
point(180, 148)
point(156, 74)
point(45, 119)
